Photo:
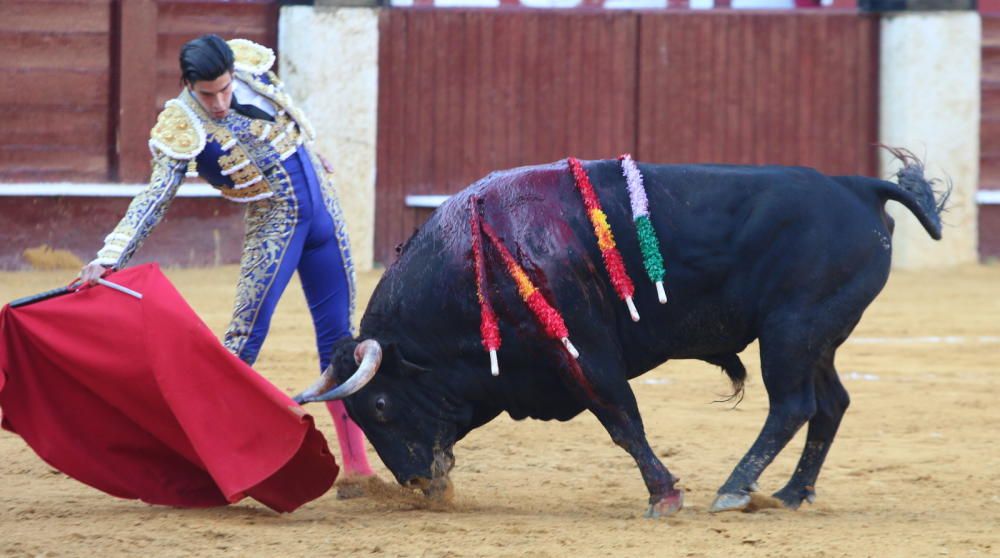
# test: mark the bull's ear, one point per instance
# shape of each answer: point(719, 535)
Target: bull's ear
point(400, 363)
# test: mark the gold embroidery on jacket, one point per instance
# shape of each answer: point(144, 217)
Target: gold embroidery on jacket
point(250, 56)
point(236, 159)
point(287, 141)
point(253, 192)
point(246, 176)
point(177, 132)
point(263, 130)
point(222, 136)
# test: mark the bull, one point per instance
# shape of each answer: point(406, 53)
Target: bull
point(783, 255)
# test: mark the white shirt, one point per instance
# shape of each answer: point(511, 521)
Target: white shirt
point(245, 95)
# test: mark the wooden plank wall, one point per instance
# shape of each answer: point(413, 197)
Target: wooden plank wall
point(84, 82)
point(462, 93)
point(55, 93)
point(788, 89)
point(84, 79)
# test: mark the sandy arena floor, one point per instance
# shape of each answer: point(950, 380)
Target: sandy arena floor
point(915, 470)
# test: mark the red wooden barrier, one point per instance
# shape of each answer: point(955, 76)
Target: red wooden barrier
point(84, 79)
point(55, 95)
point(462, 93)
point(465, 92)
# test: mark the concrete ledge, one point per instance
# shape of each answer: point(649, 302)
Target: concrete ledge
point(77, 190)
point(426, 201)
point(988, 197)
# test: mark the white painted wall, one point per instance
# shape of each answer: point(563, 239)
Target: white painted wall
point(329, 62)
point(929, 103)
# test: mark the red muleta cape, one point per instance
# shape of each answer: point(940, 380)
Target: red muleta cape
point(139, 399)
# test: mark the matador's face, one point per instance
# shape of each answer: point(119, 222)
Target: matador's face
point(214, 95)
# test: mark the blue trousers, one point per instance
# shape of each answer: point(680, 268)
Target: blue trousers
point(313, 250)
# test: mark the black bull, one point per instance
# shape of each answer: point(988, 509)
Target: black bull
point(786, 256)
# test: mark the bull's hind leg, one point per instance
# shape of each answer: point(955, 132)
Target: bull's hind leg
point(612, 401)
point(831, 403)
point(787, 364)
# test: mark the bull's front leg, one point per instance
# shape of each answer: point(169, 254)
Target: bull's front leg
point(613, 402)
point(626, 430)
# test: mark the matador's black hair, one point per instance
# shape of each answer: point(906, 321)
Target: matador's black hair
point(205, 59)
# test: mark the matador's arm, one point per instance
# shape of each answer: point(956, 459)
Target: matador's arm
point(176, 140)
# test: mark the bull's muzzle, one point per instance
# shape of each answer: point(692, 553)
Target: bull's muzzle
point(439, 485)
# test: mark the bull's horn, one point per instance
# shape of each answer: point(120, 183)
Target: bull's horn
point(368, 355)
point(326, 381)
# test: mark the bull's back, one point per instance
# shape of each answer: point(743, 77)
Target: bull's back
point(735, 242)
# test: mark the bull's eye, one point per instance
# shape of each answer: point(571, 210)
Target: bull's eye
point(381, 404)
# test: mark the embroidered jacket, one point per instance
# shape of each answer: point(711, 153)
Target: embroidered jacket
point(238, 155)
point(243, 158)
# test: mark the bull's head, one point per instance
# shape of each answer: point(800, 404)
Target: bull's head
point(398, 406)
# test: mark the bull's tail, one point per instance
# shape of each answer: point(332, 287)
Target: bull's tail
point(916, 192)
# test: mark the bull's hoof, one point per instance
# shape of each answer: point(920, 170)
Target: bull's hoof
point(730, 502)
point(666, 506)
point(792, 498)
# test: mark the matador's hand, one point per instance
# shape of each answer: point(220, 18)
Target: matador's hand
point(92, 272)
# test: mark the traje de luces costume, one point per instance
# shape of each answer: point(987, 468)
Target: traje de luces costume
point(293, 217)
